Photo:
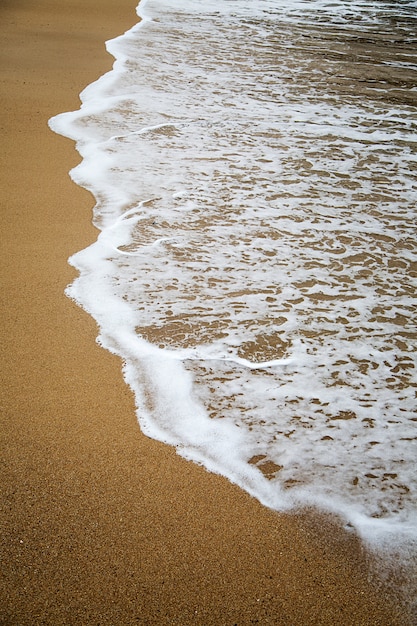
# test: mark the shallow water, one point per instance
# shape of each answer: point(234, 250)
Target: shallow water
point(254, 166)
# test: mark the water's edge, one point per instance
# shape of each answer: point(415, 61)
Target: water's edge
point(166, 379)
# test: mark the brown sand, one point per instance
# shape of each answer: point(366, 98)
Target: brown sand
point(101, 525)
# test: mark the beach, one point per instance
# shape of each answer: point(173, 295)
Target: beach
point(99, 523)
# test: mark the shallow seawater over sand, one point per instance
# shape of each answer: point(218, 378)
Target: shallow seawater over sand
point(254, 166)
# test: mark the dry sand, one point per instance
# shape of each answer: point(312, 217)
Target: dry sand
point(101, 525)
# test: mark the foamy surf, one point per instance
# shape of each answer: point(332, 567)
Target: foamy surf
point(253, 165)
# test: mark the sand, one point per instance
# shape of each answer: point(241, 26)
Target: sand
point(101, 525)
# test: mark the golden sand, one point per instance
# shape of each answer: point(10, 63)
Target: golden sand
point(101, 525)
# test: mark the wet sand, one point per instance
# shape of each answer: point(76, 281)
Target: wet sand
point(101, 525)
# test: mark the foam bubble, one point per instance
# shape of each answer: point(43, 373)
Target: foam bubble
point(256, 265)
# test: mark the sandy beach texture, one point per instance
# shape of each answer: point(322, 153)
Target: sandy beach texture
point(99, 524)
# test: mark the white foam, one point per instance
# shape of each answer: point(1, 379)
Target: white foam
point(256, 265)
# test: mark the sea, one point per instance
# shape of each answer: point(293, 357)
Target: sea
point(254, 167)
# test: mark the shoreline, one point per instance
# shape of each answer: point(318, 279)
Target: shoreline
point(100, 523)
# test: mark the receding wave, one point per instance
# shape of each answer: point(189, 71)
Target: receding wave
point(254, 166)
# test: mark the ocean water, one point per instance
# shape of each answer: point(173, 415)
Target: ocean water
point(254, 169)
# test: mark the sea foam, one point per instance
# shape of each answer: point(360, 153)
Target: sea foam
point(254, 169)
